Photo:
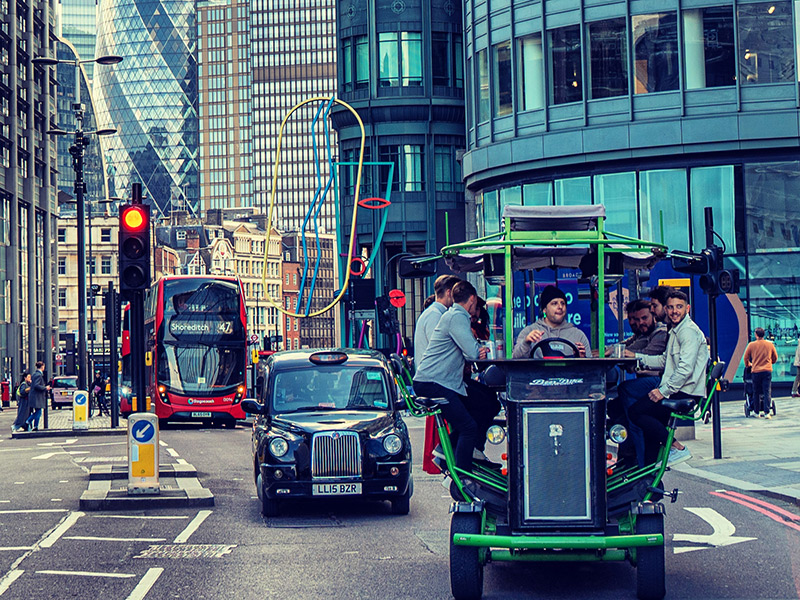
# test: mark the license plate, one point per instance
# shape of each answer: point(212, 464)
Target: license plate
point(201, 415)
point(336, 489)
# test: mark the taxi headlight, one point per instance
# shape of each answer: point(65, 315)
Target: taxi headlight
point(278, 447)
point(618, 434)
point(495, 435)
point(392, 444)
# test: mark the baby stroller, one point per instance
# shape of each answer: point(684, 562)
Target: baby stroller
point(750, 397)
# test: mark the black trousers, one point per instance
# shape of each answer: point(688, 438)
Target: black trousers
point(482, 405)
point(652, 418)
point(464, 429)
point(762, 387)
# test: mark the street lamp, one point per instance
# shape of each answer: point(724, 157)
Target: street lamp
point(77, 151)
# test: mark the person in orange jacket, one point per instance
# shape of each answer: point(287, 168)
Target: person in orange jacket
point(760, 355)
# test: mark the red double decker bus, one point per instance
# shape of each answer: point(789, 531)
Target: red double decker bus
point(197, 343)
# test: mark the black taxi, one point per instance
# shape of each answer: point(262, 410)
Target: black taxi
point(328, 425)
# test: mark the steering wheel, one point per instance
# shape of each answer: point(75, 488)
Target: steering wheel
point(547, 346)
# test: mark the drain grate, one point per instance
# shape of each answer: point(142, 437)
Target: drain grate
point(186, 551)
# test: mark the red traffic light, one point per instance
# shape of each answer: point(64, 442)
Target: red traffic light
point(134, 218)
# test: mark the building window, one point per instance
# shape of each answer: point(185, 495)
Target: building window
point(409, 167)
point(180, 235)
point(62, 327)
point(573, 191)
point(400, 59)
point(105, 265)
point(62, 297)
point(663, 199)
point(608, 59)
point(90, 266)
point(448, 60)
point(355, 55)
point(501, 58)
point(62, 235)
point(105, 235)
point(483, 86)
point(617, 192)
point(655, 52)
point(530, 73)
point(773, 213)
point(565, 65)
point(62, 265)
point(709, 57)
point(448, 171)
point(766, 46)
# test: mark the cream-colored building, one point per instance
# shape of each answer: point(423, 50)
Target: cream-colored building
point(101, 268)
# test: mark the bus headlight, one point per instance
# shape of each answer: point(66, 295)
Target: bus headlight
point(392, 444)
point(495, 435)
point(278, 447)
point(618, 434)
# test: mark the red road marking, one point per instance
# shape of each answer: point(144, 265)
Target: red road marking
point(756, 507)
point(774, 508)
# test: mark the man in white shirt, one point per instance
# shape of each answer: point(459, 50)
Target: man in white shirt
point(429, 319)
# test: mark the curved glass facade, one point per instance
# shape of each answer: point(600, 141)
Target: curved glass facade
point(657, 116)
point(151, 98)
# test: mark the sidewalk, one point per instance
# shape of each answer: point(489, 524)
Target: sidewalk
point(757, 454)
point(59, 422)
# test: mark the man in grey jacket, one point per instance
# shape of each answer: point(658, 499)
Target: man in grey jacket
point(684, 362)
point(552, 326)
point(440, 373)
point(429, 319)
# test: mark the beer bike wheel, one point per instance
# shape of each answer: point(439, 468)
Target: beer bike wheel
point(650, 563)
point(466, 568)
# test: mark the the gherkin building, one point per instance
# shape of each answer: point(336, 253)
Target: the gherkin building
point(151, 99)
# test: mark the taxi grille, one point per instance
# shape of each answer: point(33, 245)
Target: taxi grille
point(335, 454)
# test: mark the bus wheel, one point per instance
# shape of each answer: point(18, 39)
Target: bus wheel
point(466, 570)
point(650, 568)
point(231, 424)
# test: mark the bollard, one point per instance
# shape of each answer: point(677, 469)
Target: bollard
point(80, 409)
point(143, 454)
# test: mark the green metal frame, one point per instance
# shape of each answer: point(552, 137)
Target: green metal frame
point(504, 242)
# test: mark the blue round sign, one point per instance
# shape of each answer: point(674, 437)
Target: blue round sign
point(143, 431)
point(81, 398)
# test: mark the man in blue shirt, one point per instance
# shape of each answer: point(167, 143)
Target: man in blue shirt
point(440, 372)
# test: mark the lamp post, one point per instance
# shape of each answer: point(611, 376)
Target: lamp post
point(77, 151)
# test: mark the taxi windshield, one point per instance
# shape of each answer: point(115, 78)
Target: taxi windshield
point(329, 388)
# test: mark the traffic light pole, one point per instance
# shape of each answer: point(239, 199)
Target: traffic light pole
point(112, 331)
point(716, 426)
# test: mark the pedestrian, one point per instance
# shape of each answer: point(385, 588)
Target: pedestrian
point(37, 397)
point(760, 355)
point(796, 384)
point(99, 393)
point(23, 409)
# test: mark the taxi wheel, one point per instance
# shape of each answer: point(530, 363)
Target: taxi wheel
point(402, 504)
point(650, 567)
point(269, 508)
point(466, 570)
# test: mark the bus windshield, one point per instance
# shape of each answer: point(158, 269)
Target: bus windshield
point(201, 338)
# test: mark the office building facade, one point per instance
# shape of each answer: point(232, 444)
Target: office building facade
point(293, 58)
point(27, 186)
point(151, 98)
point(656, 114)
point(401, 68)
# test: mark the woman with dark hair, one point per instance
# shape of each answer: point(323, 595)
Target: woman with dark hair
point(23, 409)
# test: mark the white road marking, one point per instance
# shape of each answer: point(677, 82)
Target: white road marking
point(64, 481)
point(722, 536)
point(10, 578)
point(88, 574)
point(109, 539)
point(183, 536)
point(60, 443)
point(19, 483)
point(45, 456)
point(32, 510)
point(72, 452)
point(182, 461)
point(51, 539)
point(5, 501)
point(56, 500)
point(162, 443)
point(172, 453)
point(138, 517)
point(23, 548)
point(145, 583)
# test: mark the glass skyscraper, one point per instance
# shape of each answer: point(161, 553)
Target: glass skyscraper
point(78, 25)
point(151, 98)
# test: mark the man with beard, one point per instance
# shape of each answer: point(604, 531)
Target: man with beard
point(684, 362)
point(552, 326)
point(648, 338)
point(658, 302)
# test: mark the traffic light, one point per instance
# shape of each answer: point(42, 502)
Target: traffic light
point(387, 315)
point(134, 248)
point(715, 279)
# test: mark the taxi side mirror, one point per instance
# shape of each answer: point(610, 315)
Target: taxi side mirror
point(252, 407)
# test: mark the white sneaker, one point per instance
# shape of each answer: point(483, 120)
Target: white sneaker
point(438, 452)
point(678, 456)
